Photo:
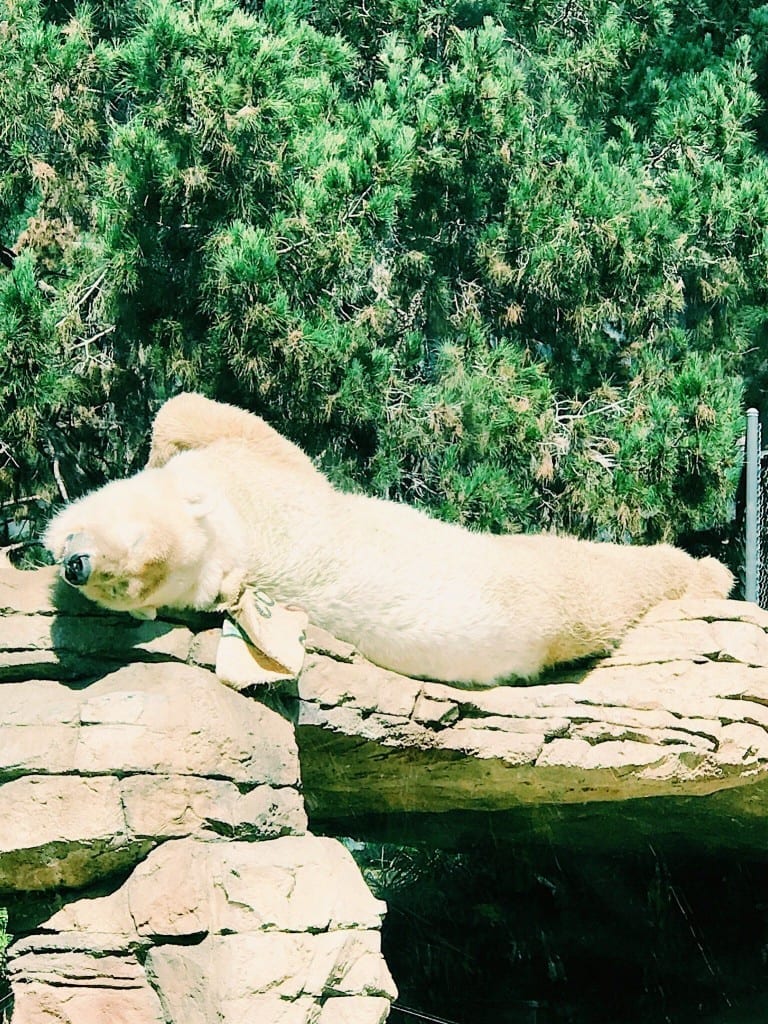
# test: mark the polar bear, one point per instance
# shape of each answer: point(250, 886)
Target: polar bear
point(413, 594)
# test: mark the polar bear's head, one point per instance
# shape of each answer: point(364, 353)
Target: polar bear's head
point(130, 546)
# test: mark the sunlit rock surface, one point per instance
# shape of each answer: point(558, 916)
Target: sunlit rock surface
point(679, 709)
point(161, 813)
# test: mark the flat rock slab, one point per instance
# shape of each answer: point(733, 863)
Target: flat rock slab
point(124, 759)
point(679, 710)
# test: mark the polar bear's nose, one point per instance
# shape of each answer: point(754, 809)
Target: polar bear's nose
point(77, 569)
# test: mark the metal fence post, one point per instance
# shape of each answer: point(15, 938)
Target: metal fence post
point(752, 540)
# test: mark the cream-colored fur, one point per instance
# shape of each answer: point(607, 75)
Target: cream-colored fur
point(191, 421)
point(419, 596)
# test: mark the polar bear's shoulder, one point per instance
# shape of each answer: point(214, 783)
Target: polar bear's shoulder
point(191, 422)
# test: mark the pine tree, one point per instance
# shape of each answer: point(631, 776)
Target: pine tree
point(503, 262)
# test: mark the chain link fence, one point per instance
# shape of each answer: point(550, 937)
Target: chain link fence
point(756, 508)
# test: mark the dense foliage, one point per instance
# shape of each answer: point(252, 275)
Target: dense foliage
point(507, 261)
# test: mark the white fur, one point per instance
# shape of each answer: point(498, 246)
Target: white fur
point(419, 596)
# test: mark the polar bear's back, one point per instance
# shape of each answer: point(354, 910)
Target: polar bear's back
point(429, 598)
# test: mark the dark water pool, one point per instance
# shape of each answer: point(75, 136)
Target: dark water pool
point(500, 932)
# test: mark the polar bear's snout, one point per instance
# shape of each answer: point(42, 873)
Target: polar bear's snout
point(77, 569)
point(75, 562)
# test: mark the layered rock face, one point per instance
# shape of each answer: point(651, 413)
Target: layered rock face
point(667, 740)
point(280, 931)
point(153, 837)
point(161, 813)
point(681, 707)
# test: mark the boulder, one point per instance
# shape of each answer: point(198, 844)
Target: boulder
point(208, 930)
point(154, 850)
point(144, 754)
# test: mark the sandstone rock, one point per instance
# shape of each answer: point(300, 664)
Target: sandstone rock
point(357, 1010)
point(169, 719)
point(28, 593)
point(78, 987)
point(145, 753)
point(318, 641)
point(512, 747)
point(138, 762)
point(60, 832)
point(204, 647)
point(435, 713)
point(122, 755)
point(204, 931)
point(362, 685)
